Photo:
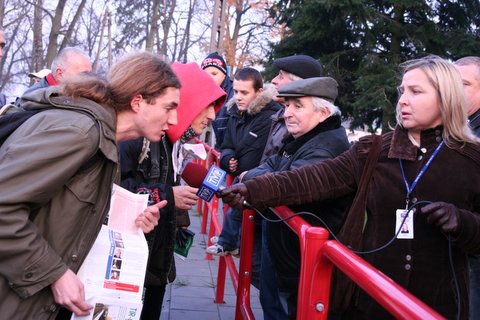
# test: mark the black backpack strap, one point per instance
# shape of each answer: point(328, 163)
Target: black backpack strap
point(90, 162)
point(11, 121)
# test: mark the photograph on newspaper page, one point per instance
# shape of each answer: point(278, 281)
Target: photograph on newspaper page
point(114, 271)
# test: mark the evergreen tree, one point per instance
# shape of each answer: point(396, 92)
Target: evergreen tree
point(361, 43)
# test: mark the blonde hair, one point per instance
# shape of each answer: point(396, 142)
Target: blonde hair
point(141, 73)
point(446, 80)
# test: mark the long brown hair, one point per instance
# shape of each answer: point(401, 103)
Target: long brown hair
point(136, 73)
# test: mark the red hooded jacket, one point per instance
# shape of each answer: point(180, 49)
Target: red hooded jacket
point(194, 98)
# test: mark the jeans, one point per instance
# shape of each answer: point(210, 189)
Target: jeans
point(474, 262)
point(269, 295)
point(229, 238)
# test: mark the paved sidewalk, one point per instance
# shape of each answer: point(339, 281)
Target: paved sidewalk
point(192, 294)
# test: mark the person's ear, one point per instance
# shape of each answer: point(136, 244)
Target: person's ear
point(135, 102)
point(58, 74)
point(324, 113)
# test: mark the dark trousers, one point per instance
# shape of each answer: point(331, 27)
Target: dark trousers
point(269, 294)
point(152, 302)
point(474, 286)
point(229, 238)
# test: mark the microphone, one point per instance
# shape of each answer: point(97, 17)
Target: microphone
point(207, 182)
point(194, 174)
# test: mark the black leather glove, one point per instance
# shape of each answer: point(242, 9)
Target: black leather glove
point(443, 215)
point(235, 196)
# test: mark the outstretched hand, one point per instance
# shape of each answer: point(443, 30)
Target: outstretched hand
point(235, 195)
point(443, 215)
point(148, 219)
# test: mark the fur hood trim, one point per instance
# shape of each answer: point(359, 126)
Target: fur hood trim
point(269, 91)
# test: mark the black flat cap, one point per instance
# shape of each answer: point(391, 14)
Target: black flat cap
point(300, 65)
point(322, 87)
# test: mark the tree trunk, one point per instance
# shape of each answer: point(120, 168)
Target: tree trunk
point(166, 23)
point(153, 25)
point(185, 44)
point(54, 32)
point(71, 27)
point(37, 44)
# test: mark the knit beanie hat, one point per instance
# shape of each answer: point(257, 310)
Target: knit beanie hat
point(215, 60)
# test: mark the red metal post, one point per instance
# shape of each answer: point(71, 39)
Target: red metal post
point(243, 309)
point(315, 274)
point(222, 271)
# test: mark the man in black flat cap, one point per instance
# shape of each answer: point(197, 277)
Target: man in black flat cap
point(290, 69)
point(314, 133)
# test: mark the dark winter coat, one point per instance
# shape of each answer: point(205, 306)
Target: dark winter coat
point(40, 168)
point(420, 265)
point(474, 122)
point(247, 133)
point(155, 173)
point(3, 99)
point(278, 131)
point(327, 140)
point(219, 125)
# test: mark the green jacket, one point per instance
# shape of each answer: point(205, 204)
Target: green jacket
point(51, 209)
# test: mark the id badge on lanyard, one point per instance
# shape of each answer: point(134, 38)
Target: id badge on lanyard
point(404, 224)
point(404, 217)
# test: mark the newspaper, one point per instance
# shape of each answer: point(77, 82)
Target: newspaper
point(197, 150)
point(114, 271)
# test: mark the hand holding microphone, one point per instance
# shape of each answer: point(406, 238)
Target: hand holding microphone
point(236, 196)
point(209, 184)
point(185, 197)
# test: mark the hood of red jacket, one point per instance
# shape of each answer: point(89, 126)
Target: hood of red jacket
point(198, 90)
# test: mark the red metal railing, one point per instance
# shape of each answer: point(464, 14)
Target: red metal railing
point(210, 209)
point(318, 256)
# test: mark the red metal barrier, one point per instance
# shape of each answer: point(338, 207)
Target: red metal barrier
point(211, 209)
point(318, 256)
point(243, 309)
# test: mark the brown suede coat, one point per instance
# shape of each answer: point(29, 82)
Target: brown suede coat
point(420, 265)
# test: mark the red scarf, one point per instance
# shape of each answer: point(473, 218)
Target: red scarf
point(50, 80)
